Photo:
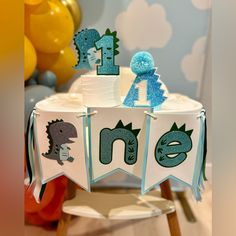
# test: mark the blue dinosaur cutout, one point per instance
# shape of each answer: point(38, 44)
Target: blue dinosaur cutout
point(85, 45)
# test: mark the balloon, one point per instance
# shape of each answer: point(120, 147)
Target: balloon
point(61, 64)
point(53, 210)
point(31, 206)
point(30, 58)
point(32, 79)
point(33, 2)
point(35, 219)
point(48, 79)
point(49, 26)
point(33, 94)
point(74, 9)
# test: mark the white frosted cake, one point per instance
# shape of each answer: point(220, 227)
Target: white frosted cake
point(73, 102)
point(100, 90)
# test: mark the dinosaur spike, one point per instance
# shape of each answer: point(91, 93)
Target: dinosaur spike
point(108, 31)
point(182, 128)
point(136, 132)
point(189, 132)
point(119, 124)
point(174, 127)
point(129, 126)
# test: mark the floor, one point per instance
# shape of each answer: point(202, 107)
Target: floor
point(156, 226)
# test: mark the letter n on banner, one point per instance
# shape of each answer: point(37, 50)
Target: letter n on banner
point(173, 150)
point(117, 138)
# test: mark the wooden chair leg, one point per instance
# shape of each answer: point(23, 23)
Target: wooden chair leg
point(64, 221)
point(63, 224)
point(171, 217)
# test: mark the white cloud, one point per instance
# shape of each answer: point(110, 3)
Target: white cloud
point(142, 26)
point(202, 4)
point(192, 64)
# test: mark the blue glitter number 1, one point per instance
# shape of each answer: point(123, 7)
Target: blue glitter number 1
point(108, 44)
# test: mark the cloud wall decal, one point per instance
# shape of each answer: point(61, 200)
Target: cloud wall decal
point(202, 4)
point(143, 26)
point(193, 63)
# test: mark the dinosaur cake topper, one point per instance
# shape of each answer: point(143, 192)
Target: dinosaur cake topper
point(88, 44)
point(85, 45)
point(59, 134)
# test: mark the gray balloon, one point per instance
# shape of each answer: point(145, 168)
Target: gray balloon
point(34, 94)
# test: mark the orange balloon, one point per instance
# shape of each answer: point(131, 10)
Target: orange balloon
point(30, 58)
point(53, 210)
point(31, 206)
point(33, 2)
point(35, 219)
point(49, 26)
point(61, 64)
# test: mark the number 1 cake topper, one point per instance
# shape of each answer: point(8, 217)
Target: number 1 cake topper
point(108, 43)
point(145, 90)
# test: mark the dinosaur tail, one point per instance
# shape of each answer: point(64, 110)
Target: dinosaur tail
point(48, 155)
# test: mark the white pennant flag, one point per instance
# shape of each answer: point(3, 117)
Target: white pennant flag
point(117, 137)
point(61, 147)
point(172, 149)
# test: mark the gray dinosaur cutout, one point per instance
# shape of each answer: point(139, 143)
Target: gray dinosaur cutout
point(59, 134)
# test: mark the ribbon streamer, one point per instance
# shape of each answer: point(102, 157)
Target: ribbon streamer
point(30, 150)
point(31, 167)
point(199, 173)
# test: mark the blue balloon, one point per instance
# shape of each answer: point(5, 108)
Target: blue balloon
point(32, 79)
point(48, 79)
point(34, 94)
point(142, 62)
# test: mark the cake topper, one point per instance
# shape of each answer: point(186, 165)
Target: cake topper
point(108, 43)
point(84, 43)
point(88, 42)
point(145, 90)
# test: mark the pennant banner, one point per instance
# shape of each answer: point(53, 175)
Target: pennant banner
point(175, 150)
point(61, 147)
point(117, 138)
point(150, 146)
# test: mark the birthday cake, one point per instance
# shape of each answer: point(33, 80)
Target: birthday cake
point(117, 119)
point(100, 90)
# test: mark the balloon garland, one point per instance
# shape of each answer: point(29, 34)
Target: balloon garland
point(49, 61)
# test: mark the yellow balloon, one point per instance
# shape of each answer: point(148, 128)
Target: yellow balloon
point(30, 58)
point(33, 2)
point(61, 64)
point(74, 9)
point(49, 26)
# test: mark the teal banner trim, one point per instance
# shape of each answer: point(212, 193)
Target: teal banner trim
point(197, 183)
